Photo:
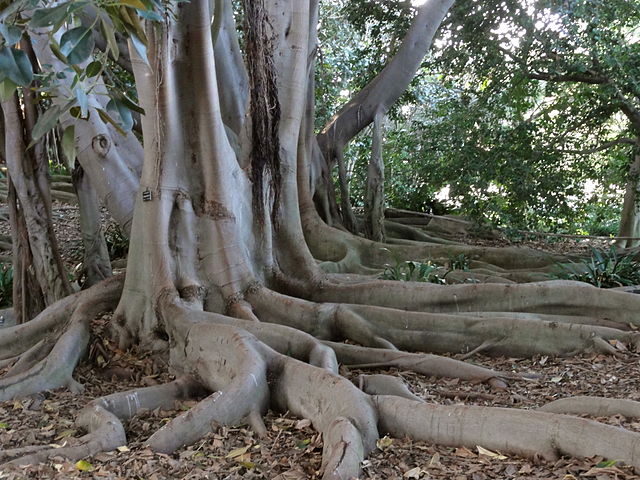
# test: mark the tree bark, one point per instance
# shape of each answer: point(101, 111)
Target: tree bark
point(96, 265)
point(374, 205)
point(47, 263)
point(630, 216)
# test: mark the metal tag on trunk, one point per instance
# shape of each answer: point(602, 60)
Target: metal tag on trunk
point(147, 196)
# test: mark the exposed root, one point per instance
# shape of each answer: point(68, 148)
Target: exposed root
point(229, 362)
point(103, 418)
point(423, 363)
point(56, 368)
point(595, 406)
point(522, 432)
point(385, 385)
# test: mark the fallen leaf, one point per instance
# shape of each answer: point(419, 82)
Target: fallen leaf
point(463, 452)
point(65, 433)
point(84, 466)
point(384, 442)
point(305, 422)
point(413, 473)
point(237, 452)
point(435, 460)
point(123, 448)
point(489, 453)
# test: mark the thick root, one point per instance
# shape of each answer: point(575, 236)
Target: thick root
point(595, 406)
point(522, 432)
point(55, 369)
point(103, 418)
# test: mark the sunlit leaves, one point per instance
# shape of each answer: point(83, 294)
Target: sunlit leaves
point(77, 44)
point(15, 65)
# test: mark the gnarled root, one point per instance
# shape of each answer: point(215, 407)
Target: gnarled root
point(36, 369)
point(103, 418)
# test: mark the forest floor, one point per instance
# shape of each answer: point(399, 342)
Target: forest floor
point(292, 449)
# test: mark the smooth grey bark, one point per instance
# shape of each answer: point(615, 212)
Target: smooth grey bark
point(374, 203)
point(113, 162)
point(96, 265)
point(230, 70)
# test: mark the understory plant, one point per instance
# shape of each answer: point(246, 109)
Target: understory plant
point(604, 269)
point(6, 284)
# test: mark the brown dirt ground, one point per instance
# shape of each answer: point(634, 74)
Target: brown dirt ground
point(292, 449)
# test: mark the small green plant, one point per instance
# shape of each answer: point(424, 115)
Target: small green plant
point(410, 271)
point(117, 242)
point(6, 284)
point(605, 269)
point(459, 262)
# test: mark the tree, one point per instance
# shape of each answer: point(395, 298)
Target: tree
point(221, 279)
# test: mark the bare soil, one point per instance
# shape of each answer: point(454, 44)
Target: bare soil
point(292, 449)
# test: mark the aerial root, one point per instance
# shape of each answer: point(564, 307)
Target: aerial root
point(595, 406)
point(522, 432)
point(56, 368)
point(102, 419)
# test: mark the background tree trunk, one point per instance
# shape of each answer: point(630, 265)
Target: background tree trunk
point(374, 205)
point(96, 265)
point(630, 216)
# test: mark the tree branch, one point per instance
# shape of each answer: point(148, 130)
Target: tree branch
point(389, 84)
point(570, 77)
point(604, 146)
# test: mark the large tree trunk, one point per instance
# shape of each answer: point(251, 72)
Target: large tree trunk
point(221, 281)
point(630, 216)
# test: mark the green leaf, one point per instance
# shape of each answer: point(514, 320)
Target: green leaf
point(4, 425)
point(126, 118)
point(45, 17)
point(106, 118)
point(83, 101)
point(47, 121)
point(140, 47)
point(84, 466)
point(109, 34)
point(130, 104)
point(69, 145)
point(77, 44)
point(15, 65)
point(7, 89)
point(11, 33)
point(606, 464)
point(93, 69)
